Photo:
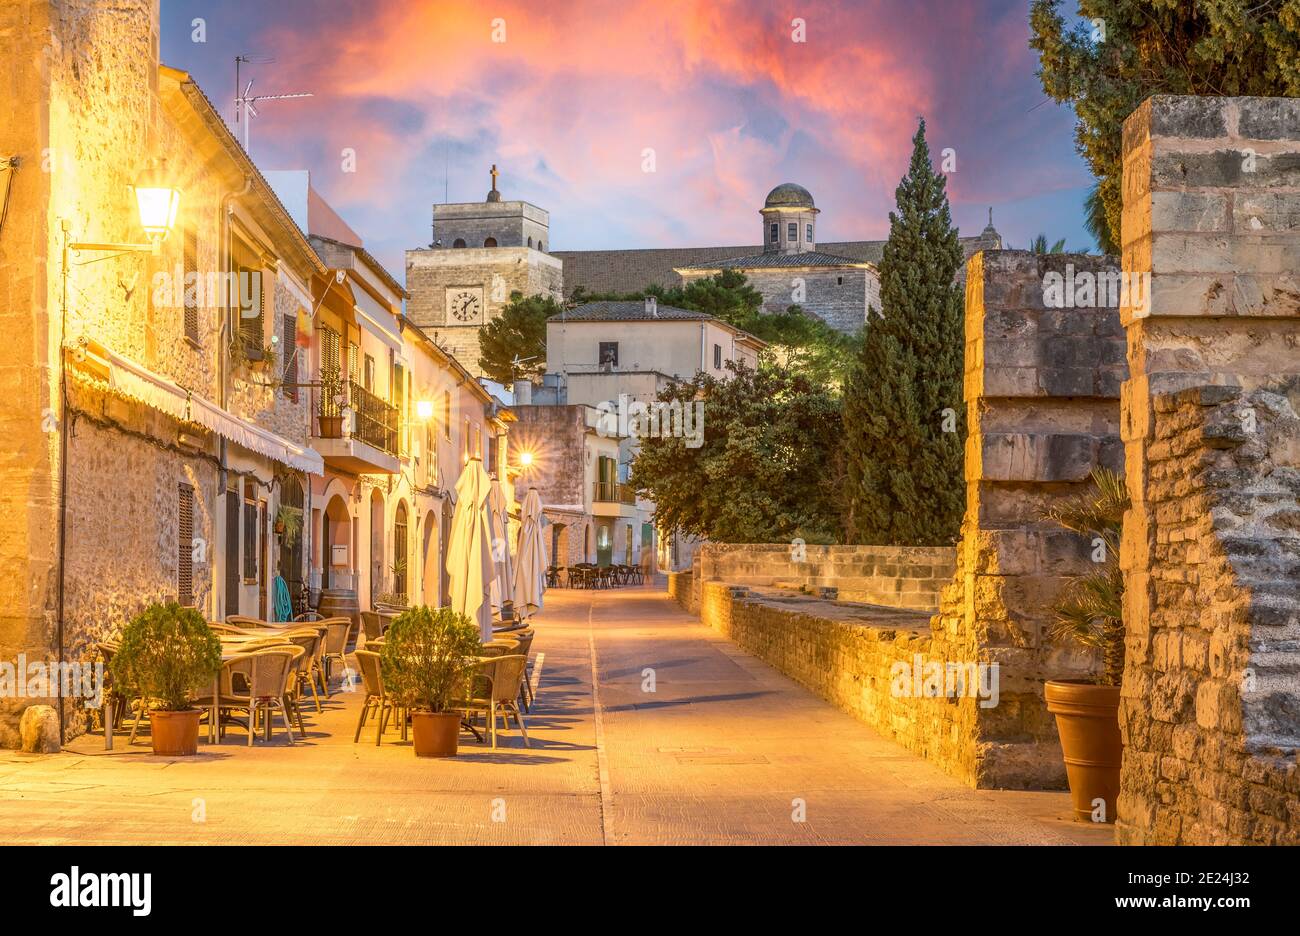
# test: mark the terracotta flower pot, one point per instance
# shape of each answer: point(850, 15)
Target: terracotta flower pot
point(435, 734)
point(331, 427)
point(1087, 719)
point(175, 733)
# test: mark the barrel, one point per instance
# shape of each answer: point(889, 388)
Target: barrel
point(340, 602)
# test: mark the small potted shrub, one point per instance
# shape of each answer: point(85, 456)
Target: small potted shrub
point(427, 657)
point(1089, 614)
point(168, 654)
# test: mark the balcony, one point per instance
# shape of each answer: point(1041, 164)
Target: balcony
point(612, 499)
point(356, 430)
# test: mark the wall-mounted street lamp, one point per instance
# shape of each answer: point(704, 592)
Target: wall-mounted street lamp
point(424, 410)
point(157, 203)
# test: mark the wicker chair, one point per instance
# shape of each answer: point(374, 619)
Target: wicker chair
point(305, 670)
point(269, 671)
point(338, 635)
point(525, 638)
point(232, 693)
point(372, 625)
point(495, 690)
point(242, 620)
point(372, 684)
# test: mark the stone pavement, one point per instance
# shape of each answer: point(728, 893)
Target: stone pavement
point(724, 750)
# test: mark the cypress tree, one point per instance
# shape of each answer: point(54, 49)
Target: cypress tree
point(904, 418)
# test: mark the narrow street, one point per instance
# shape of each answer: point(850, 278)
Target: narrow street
point(723, 750)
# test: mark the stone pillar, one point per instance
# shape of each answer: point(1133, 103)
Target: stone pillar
point(1044, 363)
point(1212, 614)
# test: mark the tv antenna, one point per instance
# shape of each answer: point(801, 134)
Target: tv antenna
point(246, 100)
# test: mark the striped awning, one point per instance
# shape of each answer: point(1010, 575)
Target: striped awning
point(143, 385)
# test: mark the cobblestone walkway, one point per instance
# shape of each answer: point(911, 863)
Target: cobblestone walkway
point(723, 750)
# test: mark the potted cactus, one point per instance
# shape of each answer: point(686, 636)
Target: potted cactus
point(1089, 614)
point(427, 657)
point(168, 654)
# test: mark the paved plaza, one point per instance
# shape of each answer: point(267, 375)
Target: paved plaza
point(724, 750)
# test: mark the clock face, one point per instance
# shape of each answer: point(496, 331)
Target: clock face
point(464, 305)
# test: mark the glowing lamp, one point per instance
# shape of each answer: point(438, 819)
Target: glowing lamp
point(157, 202)
point(424, 410)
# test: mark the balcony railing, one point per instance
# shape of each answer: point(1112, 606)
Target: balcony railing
point(375, 421)
point(612, 492)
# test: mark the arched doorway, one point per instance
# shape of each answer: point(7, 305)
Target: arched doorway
point(291, 496)
point(429, 577)
point(400, 565)
point(336, 530)
point(376, 545)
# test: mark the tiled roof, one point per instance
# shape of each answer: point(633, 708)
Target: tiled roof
point(767, 261)
point(629, 271)
point(630, 312)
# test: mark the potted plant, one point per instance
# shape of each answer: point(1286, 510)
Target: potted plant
point(288, 523)
point(168, 653)
point(331, 408)
point(1089, 613)
point(427, 657)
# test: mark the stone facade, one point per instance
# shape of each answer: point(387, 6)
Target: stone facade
point(1211, 692)
point(486, 276)
point(890, 576)
point(840, 296)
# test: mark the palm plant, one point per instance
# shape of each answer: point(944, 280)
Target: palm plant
point(1039, 245)
point(1094, 219)
point(1089, 610)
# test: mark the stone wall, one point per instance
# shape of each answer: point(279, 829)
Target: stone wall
point(893, 576)
point(681, 589)
point(1041, 390)
point(870, 662)
point(1211, 694)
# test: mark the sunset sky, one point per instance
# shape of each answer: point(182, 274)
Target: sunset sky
point(567, 104)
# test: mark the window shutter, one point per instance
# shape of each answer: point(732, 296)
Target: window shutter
point(290, 345)
point(190, 284)
point(252, 325)
point(185, 556)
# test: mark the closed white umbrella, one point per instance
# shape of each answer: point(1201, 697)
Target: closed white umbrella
point(530, 561)
point(503, 579)
point(469, 551)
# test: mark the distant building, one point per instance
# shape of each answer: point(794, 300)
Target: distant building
point(836, 281)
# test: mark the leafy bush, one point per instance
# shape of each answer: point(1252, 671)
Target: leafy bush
point(168, 653)
point(427, 654)
point(1089, 611)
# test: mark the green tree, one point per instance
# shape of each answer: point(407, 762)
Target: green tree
point(903, 414)
point(513, 345)
point(1094, 219)
point(1039, 245)
point(1124, 51)
point(757, 477)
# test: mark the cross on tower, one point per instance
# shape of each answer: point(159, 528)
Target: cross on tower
point(494, 174)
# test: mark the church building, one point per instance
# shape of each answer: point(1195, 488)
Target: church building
point(481, 252)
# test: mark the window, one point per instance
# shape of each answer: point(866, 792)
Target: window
point(458, 242)
point(541, 246)
point(839, 281)
point(446, 414)
point(252, 312)
point(494, 455)
point(489, 242)
point(250, 531)
point(185, 547)
point(190, 284)
point(289, 346)
point(608, 354)
point(354, 355)
point(808, 233)
point(530, 241)
point(430, 456)
point(399, 403)
point(399, 550)
point(368, 374)
point(717, 357)
point(792, 231)
point(776, 232)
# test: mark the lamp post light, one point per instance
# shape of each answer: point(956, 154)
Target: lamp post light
point(424, 410)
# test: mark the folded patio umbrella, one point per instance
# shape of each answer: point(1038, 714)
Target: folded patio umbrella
point(469, 550)
point(530, 560)
point(503, 580)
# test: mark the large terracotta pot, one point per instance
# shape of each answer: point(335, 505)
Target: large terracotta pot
point(175, 734)
point(435, 734)
point(1087, 719)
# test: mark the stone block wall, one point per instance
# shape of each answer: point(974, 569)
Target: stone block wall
point(893, 576)
point(1211, 695)
point(852, 659)
point(681, 589)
